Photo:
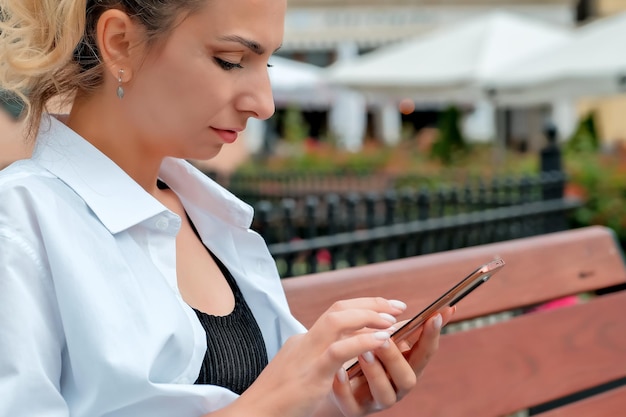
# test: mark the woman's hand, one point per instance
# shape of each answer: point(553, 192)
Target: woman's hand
point(389, 372)
point(302, 374)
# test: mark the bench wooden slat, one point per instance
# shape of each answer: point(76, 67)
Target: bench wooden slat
point(538, 269)
point(608, 404)
point(516, 364)
point(529, 360)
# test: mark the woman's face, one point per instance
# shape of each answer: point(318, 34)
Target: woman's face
point(195, 91)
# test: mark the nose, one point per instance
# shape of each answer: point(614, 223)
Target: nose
point(258, 99)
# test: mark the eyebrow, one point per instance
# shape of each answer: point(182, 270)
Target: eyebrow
point(248, 43)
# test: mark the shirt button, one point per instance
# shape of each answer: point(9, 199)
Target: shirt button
point(162, 223)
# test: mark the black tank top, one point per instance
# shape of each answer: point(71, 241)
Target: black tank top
point(236, 352)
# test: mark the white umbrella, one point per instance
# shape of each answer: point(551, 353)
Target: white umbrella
point(591, 63)
point(304, 85)
point(452, 63)
point(298, 83)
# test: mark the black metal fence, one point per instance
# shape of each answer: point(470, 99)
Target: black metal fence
point(329, 231)
point(419, 237)
point(313, 215)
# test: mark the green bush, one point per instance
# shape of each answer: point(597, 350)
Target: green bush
point(585, 137)
point(600, 180)
point(295, 126)
point(450, 141)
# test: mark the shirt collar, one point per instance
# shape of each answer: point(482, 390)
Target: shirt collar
point(114, 197)
point(198, 191)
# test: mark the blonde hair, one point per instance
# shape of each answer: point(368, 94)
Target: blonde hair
point(48, 47)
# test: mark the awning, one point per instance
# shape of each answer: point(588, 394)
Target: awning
point(324, 28)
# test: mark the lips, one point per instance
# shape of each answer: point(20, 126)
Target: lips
point(227, 135)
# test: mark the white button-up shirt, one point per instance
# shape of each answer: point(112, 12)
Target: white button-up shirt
point(91, 319)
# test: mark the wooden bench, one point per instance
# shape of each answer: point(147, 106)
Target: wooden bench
point(529, 362)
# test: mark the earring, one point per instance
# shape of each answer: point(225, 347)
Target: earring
point(120, 89)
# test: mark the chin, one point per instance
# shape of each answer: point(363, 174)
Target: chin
point(204, 153)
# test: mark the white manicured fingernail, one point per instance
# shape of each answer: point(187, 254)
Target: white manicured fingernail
point(342, 375)
point(369, 357)
point(381, 336)
point(398, 304)
point(392, 329)
point(391, 319)
point(438, 321)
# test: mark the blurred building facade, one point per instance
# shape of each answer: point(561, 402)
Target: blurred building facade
point(323, 32)
point(609, 111)
point(607, 7)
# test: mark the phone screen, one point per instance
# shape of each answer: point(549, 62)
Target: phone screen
point(450, 298)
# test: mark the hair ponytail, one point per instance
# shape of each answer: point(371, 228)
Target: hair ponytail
point(37, 42)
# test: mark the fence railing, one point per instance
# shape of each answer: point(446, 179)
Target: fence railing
point(295, 218)
point(277, 186)
point(419, 237)
point(315, 223)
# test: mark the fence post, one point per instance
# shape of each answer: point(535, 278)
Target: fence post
point(332, 202)
point(352, 201)
point(371, 199)
point(423, 213)
point(481, 202)
point(391, 204)
point(495, 194)
point(456, 232)
point(407, 247)
point(550, 161)
point(442, 198)
point(288, 209)
point(311, 220)
point(263, 210)
point(525, 190)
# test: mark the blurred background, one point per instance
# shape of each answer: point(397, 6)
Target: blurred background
point(407, 127)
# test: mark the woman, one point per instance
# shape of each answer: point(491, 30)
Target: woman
point(132, 284)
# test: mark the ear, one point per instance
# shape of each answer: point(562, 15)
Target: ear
point(118, 37)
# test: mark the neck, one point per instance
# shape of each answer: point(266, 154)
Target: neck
point(114, 136)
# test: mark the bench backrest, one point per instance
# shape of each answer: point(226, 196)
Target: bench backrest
point(511, 365)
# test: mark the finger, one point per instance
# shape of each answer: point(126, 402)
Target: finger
point(408, 342)
point(405, 345)
point(335, 325)
point(342, 350)
point(398, 369)
point(353, 396)
point(381, 388)
point(447, 314)
point(349, 316)
point(344, 392)
point(372, 390)
point(378, 304)
point(427, 344)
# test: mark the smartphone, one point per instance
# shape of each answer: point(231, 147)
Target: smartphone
point(450, 298)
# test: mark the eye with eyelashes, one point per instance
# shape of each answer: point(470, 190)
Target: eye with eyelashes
point(228, 66)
